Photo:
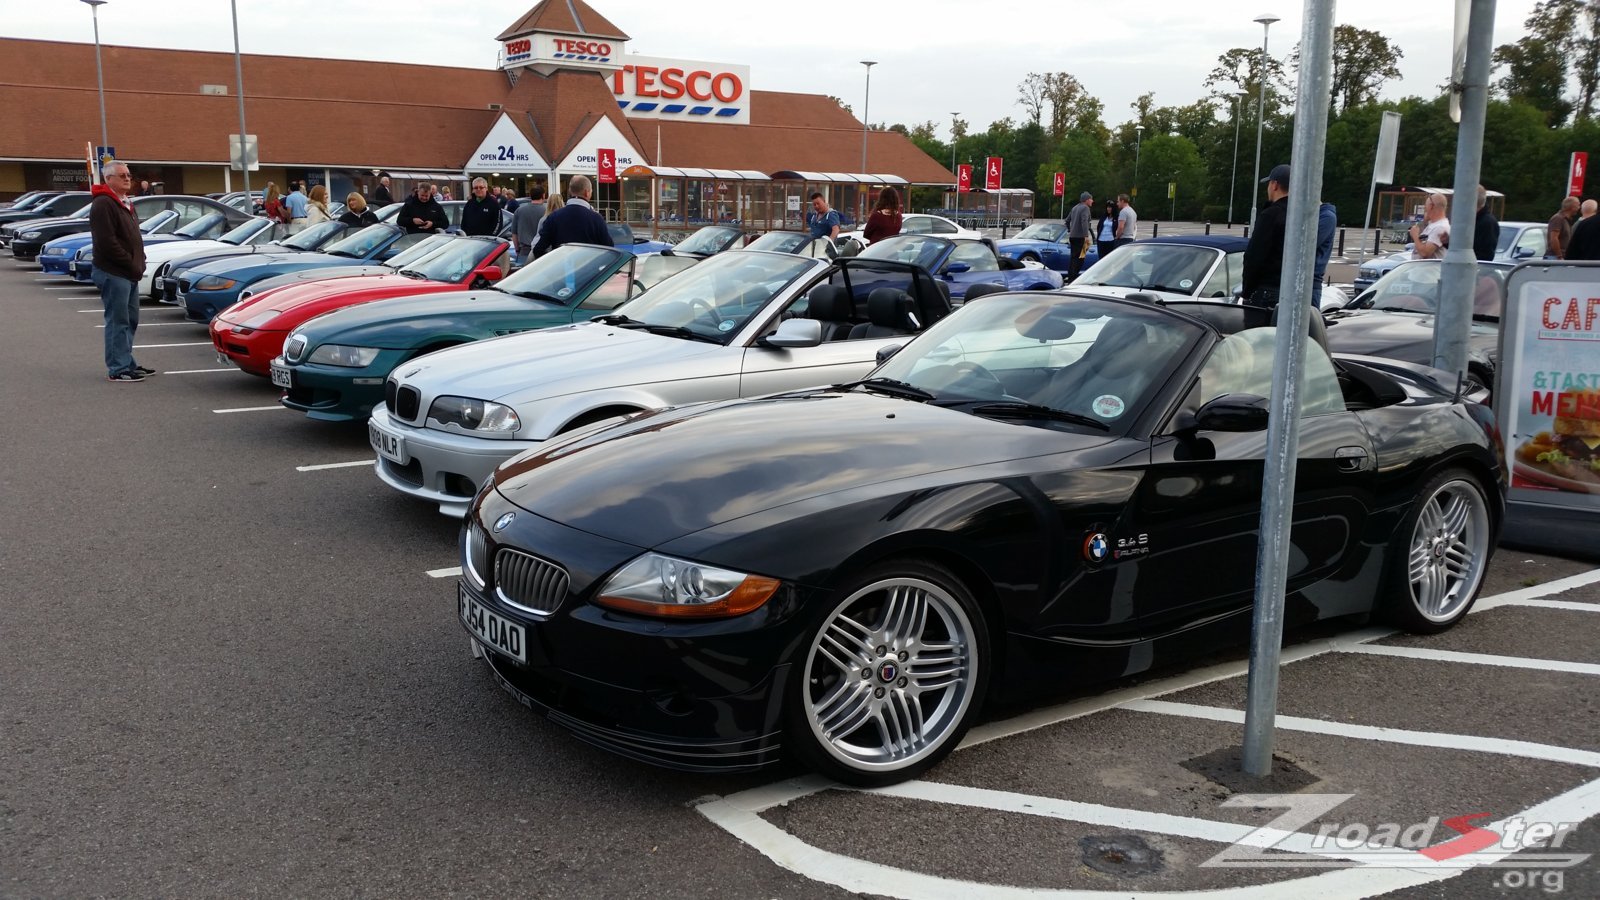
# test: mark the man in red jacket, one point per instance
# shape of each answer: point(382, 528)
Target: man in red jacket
point(118, 266)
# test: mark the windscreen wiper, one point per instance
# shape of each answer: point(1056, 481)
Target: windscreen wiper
point(892, 387)
point(413, 273)
point(613, 319)
point(674, 331)
point(1016, 409)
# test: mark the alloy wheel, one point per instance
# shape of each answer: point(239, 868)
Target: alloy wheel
point(1449, 550)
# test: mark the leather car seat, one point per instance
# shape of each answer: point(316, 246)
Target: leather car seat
point(889, 314)
point(830, 304)
point(982, 289)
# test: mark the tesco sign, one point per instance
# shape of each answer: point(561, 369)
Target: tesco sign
point(582, 48)
point(656, 87)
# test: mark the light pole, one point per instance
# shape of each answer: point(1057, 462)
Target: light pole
point(99, 74)
point(953, 173)
point(1266, 21)
point(866, 112)
point(1233, 176)
point(238, 74)
point(1138, 143)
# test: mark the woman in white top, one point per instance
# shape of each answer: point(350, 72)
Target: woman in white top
point(317, 208)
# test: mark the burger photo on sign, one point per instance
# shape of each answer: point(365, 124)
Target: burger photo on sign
point(1568, 455)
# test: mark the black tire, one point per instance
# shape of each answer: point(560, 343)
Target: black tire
point(1029, 257)
point(897, 622)
point(1439, 554)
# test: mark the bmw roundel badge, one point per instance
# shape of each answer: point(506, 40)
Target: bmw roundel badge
point(1096, 547)
point(501, 523)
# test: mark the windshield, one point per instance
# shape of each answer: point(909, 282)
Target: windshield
point(708, 240)
point(28, 201)
point(780, 241)
point(1043, 231)
point(454, 261)
point(1158, 267)
point(154, 223)
point(365, 242)
point(1414, 287)
point(58, 206)
point(82, 212)
point(621, 234)
point(922, 249)
point(716, 298)
point(315, 236)
point(564, 273)
point(420, 250)
point(1098, 360)
point(242, 233)
point(199, 227)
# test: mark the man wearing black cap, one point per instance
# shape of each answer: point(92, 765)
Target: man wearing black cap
point(1263, 257)
point(1078, 232)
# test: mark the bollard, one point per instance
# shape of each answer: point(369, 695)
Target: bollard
point(1155, 229)
point(1003, 225)
point(1247, 232)
point(1208, 228)
point(1376, 237)
point(1341, 242)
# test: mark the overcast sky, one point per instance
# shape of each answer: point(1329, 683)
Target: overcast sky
point(935, 56)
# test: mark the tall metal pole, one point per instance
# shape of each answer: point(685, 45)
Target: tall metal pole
point(99, 74)
point(238, 74)
point(1283, 429)
point(1233, 176)
point(953, 173)
point(866, 113)
point(1459, 273)
point(1261, 111)
point(1138, 144)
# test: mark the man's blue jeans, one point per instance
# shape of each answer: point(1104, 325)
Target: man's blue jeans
point(120, 297)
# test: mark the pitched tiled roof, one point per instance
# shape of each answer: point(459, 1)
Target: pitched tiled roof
point(769, 148)
point(564, 17)
point(566, 104)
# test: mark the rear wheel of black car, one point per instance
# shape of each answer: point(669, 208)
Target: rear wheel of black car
point(1439, 554)
point(892, 675)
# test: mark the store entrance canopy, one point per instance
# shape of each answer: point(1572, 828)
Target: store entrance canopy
point(836, 177)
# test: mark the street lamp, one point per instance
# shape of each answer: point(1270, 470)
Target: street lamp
point(1266, 21)
point(1138, 142)
point(1233, 175)
point(866, 112)
point(238, 74)
point(953, 172)
point(99, 73)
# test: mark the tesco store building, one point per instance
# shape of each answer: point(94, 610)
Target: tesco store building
point(675, 143)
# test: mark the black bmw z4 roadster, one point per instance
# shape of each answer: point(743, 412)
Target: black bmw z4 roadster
point(1040, 491)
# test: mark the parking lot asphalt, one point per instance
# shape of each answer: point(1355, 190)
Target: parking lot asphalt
point(226, 670)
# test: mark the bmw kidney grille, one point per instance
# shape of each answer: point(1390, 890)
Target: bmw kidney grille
point(528, 582)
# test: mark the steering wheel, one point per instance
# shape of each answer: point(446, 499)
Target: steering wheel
point(973, 379)
point(697, 304)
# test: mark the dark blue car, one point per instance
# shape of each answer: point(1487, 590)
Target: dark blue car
point(959, 264)
point(1045, 243)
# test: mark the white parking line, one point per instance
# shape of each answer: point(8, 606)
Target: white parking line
point(1440, 740)
point(240, 409)
point(159, 324)
point(343, 465)
point(73, 287)
point(198, 371)
point(1559, 586)
point(451, 572)
point(1574, 605)
point(188, 344)
point(1477, 659)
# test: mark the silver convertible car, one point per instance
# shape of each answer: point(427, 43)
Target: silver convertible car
point(736, 325)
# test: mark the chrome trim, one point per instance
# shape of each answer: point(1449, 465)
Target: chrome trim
point(539, 587)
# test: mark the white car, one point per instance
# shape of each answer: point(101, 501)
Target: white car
point(252, 232)
point(922, 223)
point(736, 325)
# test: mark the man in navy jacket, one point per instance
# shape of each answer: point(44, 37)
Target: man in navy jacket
point(576, 222)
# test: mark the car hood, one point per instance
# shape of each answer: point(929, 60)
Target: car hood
point(300, 300)
point(173, 250)
point(398, 322)
point(651, 479)
point(52, 224)
point(1021, 242)
point(1398, 335)
point(1106, 290)
point(261, 264)
point(552, 362)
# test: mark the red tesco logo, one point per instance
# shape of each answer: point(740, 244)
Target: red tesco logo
point(672, 83)
point(582, 48)
point(519, 47)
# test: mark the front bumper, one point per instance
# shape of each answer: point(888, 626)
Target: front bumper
point(336, 393)
point(26, 251)
point(54, 265)
point(438, 466)
point(251, 351)
point(202, 306)
point(697, 696)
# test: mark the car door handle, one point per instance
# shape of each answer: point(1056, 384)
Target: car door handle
point(1350, 459)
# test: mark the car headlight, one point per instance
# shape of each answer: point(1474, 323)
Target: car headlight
point(85, 255)
point(1367, 273)
point(262, 318)
point(56, 251)
point(342, 355)
point(657, 585)
point(494, 419)
point(29, 235)
point(214, 283)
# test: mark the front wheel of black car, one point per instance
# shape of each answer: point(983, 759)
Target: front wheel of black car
point(1439, 554)
point(892, 675)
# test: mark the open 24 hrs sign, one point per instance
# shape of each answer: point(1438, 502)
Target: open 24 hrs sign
point(504, 153)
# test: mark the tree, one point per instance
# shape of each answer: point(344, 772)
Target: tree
point(1031, 95)
point(842, 105)
point(1238, 70)
point(958, 128)
point(1362, 61)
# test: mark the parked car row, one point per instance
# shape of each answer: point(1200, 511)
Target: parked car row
point(722, 504)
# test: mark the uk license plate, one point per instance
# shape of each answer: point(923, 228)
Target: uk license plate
point(282, 377)
point(72, 268)
point(160, 283)
point(389, 446)
point(490, 628)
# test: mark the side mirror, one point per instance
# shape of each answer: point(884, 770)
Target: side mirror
point(795, 333)
point(956, 268)
point(1233, 412)
point(1521, 253)
point(489, 272)
point(885, 352)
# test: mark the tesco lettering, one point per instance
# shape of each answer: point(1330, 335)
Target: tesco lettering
point(519, 47)
point(672, 82)
point(582, 48)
